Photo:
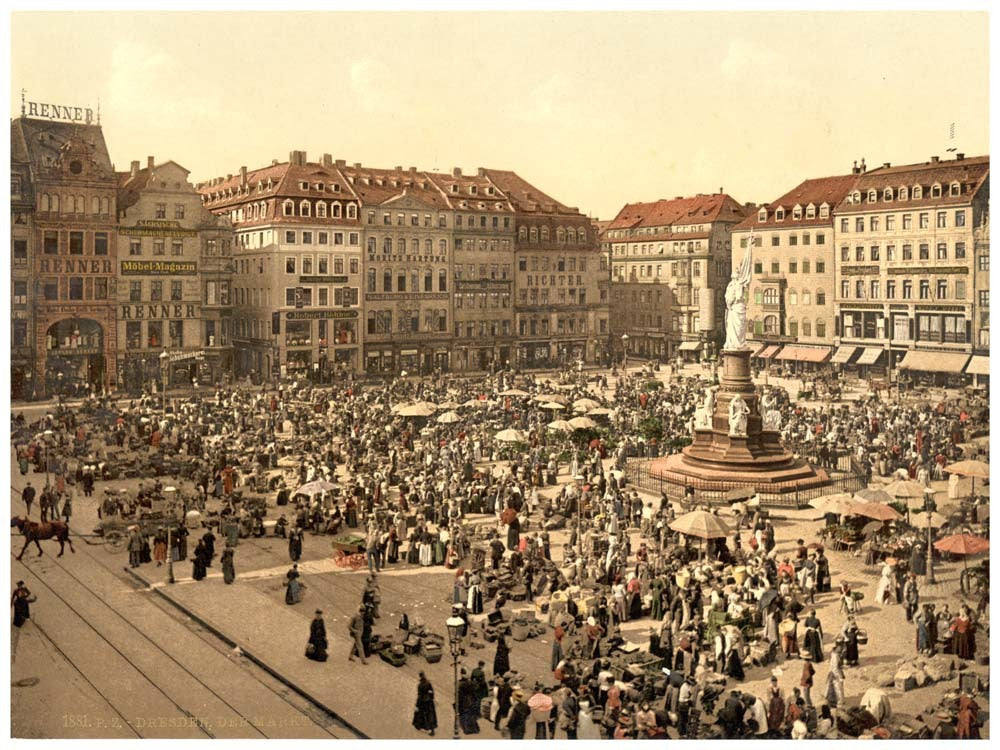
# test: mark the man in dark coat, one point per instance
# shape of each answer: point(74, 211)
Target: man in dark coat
point(316, 650)
point(731, 716)
point(518, 718)
point(468, 705)
point(425, 715)
point(478, 679)
point(209, 540)
point(504, 693)
point(200, 563)
point(28, 496)
point(295, 544)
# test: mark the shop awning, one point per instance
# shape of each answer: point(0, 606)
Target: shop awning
point(408, 352)
point(870, 355)
point(690, 346)
point(805, 353)
point(843, 354)
point(978, 365)
point(934, 361)
point(768, 351)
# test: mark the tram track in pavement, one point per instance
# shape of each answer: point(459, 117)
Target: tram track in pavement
point(322, 721)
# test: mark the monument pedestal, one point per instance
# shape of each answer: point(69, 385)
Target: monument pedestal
point(720, 458)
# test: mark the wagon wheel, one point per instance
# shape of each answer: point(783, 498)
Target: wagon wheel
point(116, 540)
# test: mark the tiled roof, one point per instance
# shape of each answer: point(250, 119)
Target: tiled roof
point(829, 190)
point(698, 209)
point(41, 141)
point(524, 196)
point(970, 172)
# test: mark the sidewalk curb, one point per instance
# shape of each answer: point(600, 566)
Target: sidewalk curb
point(249, 655)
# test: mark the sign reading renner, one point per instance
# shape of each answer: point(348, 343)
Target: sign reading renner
point(60, 112)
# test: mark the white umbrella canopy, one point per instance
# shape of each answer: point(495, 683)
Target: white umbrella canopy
point(969, 468)
point(560, 425)
point(419, 409)
point(552, 406)
point(475, 403)
point(582, 423)
point(905, 488)
point(701, 524)
point(557, 398)
point(510, 436)
point(841, 503)
point(583, 405)
point(449, 417)
point(873, 495)
point(449, 405)
point(514, 392)
point(599, 412)
point(314, 488)
point(928, 520)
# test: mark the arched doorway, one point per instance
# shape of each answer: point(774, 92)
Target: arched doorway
point(74, 356)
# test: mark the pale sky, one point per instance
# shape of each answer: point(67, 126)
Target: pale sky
point(596, 109)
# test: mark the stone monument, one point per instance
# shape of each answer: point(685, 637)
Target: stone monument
point(731, 446)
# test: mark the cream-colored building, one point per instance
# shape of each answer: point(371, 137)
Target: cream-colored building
point(791, 296)
point(908, 276)
point(174, 270)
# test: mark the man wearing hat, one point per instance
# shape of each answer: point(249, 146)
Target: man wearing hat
point(518, 716)
point(911, 596)
point(685, 698)
point(356, 630)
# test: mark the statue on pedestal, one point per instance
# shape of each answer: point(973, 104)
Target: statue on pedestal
point(770, 415)
point(736, 306)
point(738, 411)
point(703, 416)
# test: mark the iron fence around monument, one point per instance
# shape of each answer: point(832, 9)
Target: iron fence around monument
point(846, 477)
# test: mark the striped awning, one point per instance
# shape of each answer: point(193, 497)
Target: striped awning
point(805, 353)
point(843, 354)
point(870, 355)
point(934, 361)
point(978, 365)
point(768, 351)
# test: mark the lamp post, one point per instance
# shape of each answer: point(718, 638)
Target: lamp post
point(47, 438)
point(456, 630)
point(163, 379)
point(579, 479)
point(624, 352)
point(930, 506)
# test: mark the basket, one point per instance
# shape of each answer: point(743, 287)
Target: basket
point(862, 637)
point(520, 630)
point(432, 652)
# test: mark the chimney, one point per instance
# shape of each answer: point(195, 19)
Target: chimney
point(149, 162)
point(678, 197)
point(327, 160)
point(297, 158)
point(863, 167)
point(398, 169)
point(854, 169)
point(886, 165)
point(721, 191)
point(481, 171)
point(413, 170)
point(357, 165)
point(340, 163)
point(229, 177)
point(274, 162)
point(135, 168)
point(243, 175)
point(934, 160)
point(959, 157)
point(456, 172)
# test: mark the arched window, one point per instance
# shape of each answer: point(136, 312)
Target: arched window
point(872, 196)
point(887, 194)
point(387, 245)
point(428, 280)
point(288, 208)
point(387, 280)
point(762, 215)
point(771, 325)
point(561, 236)
point(581, 236)
point(321, 210)
point(352, 211)
point(820, 327)
point(305, 209)
point(402, 246)
point(522, 233)
point(545, 234)
point(442, 280)
point(917, 192)
point(442, 246)
point(55, 204)
point(106, 206)
point(43, 202)
point(371, 280)
point(95, 205)
point(936, 190)
point(903, 193)
point(534, 234)
point(955, 189)
point(335, 209)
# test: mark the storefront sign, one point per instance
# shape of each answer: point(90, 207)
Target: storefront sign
point(413, 297)
point(483, 285)
point(81, 352)
point(322, 279)
point(182, 356)
point(73, 265)
point(58, 112)
point(931, 269)
point(859, 270)
point(159, 268)
point(157, 228)
point(154, 312)
point(320, 314)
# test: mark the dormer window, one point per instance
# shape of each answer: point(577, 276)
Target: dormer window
point(779, 214)
point(305, 209)
point(824, 210)
point(955, 189)
point(454, 188)
point(335, 187)
point(811, 211)
point(936, 190)
point(335, 210)
point(545, 234)
point(352, 211)
point(321, 210)
point(303, 185)
point(918, 192)
point(903, 193)
point(472, 189)
point(856, 196)
point(887, 195)
point(797, 212)
point(318, 186)
point(872, 196)
point(762, 215)
point(489, 190)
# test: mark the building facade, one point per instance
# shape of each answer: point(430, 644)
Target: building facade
point(791, 296)
point(559, 314)
point(907, 265)
point(683, 245)
point(174, 273)
point(71, 254)
point(23, 378)
point(297, 268)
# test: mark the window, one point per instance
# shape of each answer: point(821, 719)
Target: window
point(793, 240)
point(845, 289)
point(960, 218)
point(161, 210)
point(50, 289)
point(133, 335)
point(890, 289)
point(859, 289)
point(845, 253)
point(890, 252)
point(20, 296)
point(135, 291)
point(925, 251)
point(942, 289)
point(874, 290)
point(942, 251)
point(793, 299)
point(442, 280)
point(175, 330)
point(873, 252)
point(175, 291)
point(758, 268)
point(925, 289)
point(907, 289)
point(290, 264)
point(289, 237)
point(820, 298)
point(21, 248)
point(307, 265)
point(890, 223)
point(178, 210)
point(984, 262)
point(859, 224)
point(859, 253)
point(354, 265)
point(775, 267)
point(76, 243)
point(942, 219)
point(820, 266)
point(156, 291)
point(845, 225)
point(154, 334)
point(793, 266)
point(779, 215)
point(959, 251)
point(875, 223)
point(984, 297)
point(907, 252)
point(959, 289)
point(925, 220)
point(907, 221)
point(159, 247)
point(917, 192)
point(307, 238)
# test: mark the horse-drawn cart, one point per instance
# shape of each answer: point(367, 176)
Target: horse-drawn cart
point(114, 529)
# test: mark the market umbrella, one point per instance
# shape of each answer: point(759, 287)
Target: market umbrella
point(560, 425)
point(841, 504)
point(877, 511)
point(872, 495)
point(928, 520)
point(552, 397)
point(740, 493)
point(766, 598)
point(701, 524)
point(476, 403)
point(970, 468)
point(314, 488)
point(585, 404)
point(449, 405)
point(419, 409)
point(962, 544)
point(552, 406)
point(599, 412)
point(905, 488)
point(871, 527)
point(583, 423)
point(449, 417)
point(510, 436)
point(514, 392)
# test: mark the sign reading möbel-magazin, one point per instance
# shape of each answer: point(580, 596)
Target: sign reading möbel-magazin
point(159, 268)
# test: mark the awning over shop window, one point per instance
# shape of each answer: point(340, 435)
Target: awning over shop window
point(805, 353)
point(768, 351)
point(690, 346)
point(870, 355)
point(978, 366)
point(843, 354)
point(934, 361)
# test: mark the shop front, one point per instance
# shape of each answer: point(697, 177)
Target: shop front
point(74, 357)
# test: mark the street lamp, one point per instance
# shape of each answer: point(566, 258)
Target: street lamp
point(624, 351)
point(163, 378)
point(47, 438)
point(456, 630)
point(930, 506)
point(579, 479)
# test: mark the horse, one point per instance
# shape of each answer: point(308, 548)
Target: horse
point(33, 532)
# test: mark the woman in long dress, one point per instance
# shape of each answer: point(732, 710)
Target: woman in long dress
point(228, 567)
point(501, 662)
point(475, 597)
point(200, 564)
point(21, 600)
point(425, 715)
point(293, 589)
point(850, 647)
point(586, 728)
point(813, 641)
point(426, 550)
point(886, 591)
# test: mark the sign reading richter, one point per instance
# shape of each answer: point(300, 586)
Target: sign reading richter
point(157, 228)
point(159, 268)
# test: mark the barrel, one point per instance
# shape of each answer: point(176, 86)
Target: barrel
point(740, 574)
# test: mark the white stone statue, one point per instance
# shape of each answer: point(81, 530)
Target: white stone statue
point(703, 416)
point(771, 416)
point(736, 305)
point(738, 411)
